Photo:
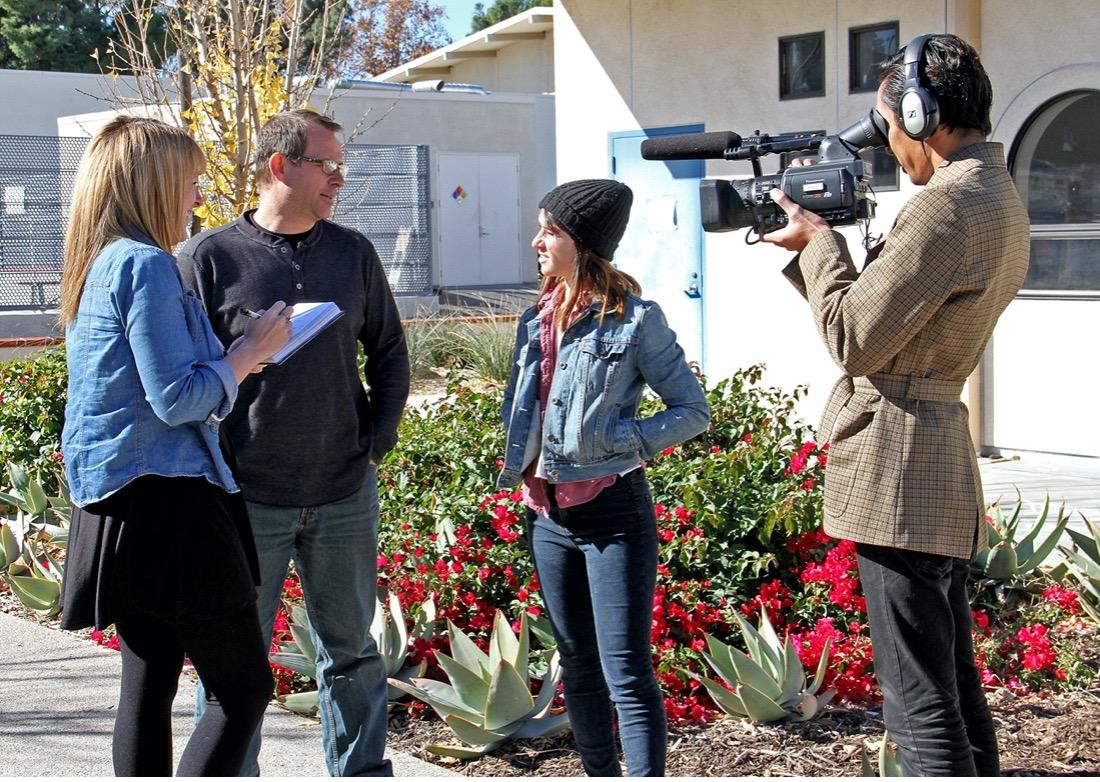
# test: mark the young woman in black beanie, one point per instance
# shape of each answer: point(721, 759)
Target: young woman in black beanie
point(583, 355)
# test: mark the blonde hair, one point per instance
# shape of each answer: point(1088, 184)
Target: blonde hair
point(132, 177)
point(592, 275)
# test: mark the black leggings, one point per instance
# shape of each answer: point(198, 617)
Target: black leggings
point(231, 658)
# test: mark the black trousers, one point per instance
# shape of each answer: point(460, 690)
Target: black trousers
point(231, 658)
point(933, 703)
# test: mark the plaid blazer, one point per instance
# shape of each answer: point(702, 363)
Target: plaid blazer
point(907, 331)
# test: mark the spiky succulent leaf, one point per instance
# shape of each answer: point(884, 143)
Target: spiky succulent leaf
point(295, 661)
point(471, 688)
point(822, 665)
point(720, 659)
point(750, 672)
point(441, 697)
point(546, 726)
point(1036, 558)
point(466, 652)
point(471, 733)
point(41, 595)
point(9, 547)
point(726, 700)
point(509, 697)
point(794, 676)
point(760, 707)
point(302, 702)
point(462, 753)
point(503, 644)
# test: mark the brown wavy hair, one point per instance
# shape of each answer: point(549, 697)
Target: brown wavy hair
point(594, 276)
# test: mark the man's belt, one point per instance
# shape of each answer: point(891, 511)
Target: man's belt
point(908, 387)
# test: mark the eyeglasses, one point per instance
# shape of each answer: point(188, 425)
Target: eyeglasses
point(330, 167)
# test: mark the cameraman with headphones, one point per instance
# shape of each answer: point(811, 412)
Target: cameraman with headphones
point(902, 479)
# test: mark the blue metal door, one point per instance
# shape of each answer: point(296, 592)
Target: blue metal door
point(663, 245)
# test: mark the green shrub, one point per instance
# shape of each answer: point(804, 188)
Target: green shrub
point(32, 412)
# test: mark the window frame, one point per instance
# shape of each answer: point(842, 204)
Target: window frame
point(1052, 231)
point(853, 32)
point(787, 39)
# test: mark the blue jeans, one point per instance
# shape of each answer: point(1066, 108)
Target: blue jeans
point(335, 550)
point(597, 568)
point(933, 703)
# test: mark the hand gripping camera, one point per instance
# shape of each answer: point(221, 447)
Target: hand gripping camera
point(836, 187)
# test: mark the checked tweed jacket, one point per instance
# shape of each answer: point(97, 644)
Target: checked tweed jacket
point(907, 331)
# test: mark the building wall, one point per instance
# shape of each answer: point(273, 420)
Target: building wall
point(448, 122)
point(627, 64)
point(524, 66)
point(33, 100)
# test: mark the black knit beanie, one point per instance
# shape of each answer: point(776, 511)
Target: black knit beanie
point(593, 211)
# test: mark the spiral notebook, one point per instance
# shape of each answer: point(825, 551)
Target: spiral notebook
point(309, 320)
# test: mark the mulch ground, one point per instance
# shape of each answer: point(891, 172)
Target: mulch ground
point(1039, 735)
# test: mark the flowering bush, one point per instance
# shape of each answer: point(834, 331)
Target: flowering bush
point(32, 412)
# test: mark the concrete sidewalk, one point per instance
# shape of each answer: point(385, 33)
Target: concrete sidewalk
point(58, 694)
point(1072, 480)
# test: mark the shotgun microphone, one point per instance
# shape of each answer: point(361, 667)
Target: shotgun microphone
point(693, 146)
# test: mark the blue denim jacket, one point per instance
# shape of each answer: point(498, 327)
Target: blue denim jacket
point(591, 428)
point(147, 384)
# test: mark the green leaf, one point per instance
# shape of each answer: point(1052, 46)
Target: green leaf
point(509, 697)
point(439, 696)
point(301, 702)
point(304, 639)
point(750, 672)
point(41, 595)
point(466, 652)
point(503, 645)
point(760, 707)
point(471, 733)
point(296, 662)
point(9, 547)
point(547, 726)
point(822, 665)
point(471, 688)
point(1048, 544)
point(462, 753)
point(726, 700)
point(794, 675)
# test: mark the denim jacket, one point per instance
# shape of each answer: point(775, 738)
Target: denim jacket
point(147, 383)
point(591, 428)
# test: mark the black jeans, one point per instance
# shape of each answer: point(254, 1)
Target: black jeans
point(230, 656)
point(597, 568)
point(933, 703)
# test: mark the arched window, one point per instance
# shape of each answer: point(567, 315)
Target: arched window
point(1056, 167)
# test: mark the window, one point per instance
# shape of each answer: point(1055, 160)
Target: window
point(802, 66)
point(867, 48)
point(1056, 166)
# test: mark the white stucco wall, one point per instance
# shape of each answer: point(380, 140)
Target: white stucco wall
point(626, 64)
point(33, 100)
point(524, 66)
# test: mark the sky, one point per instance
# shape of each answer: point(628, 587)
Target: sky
point(459, 14)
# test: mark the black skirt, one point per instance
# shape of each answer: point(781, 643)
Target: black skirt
point(180, 549)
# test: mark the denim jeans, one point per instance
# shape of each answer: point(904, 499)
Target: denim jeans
point(933, 703)
point(597, 568)
point(335, 550)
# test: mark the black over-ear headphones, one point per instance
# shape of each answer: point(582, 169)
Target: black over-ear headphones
point(919, 110)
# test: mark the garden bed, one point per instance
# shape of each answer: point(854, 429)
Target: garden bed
point(1038, 735)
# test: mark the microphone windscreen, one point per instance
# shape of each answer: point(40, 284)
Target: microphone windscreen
point(693, 146)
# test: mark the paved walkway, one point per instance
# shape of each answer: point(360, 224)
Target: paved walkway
point(1074, 481)
point(58, 694)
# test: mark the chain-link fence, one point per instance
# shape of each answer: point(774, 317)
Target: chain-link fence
point(386, 196)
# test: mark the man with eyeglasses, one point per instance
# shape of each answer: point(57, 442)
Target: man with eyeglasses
point(308, 436)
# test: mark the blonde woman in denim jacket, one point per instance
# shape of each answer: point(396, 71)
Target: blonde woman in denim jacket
point(583, 355)
point(159, 544)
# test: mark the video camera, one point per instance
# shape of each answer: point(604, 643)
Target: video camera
point(836, 187)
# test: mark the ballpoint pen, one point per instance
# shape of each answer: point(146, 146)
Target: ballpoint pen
point(251, 313)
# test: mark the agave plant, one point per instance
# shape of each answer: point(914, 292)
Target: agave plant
point(488, 699)
point(30, 539)
point(1083, 560)
point(887, 763)
point(769, 683)
point(1009, 562)
point(390, 636)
